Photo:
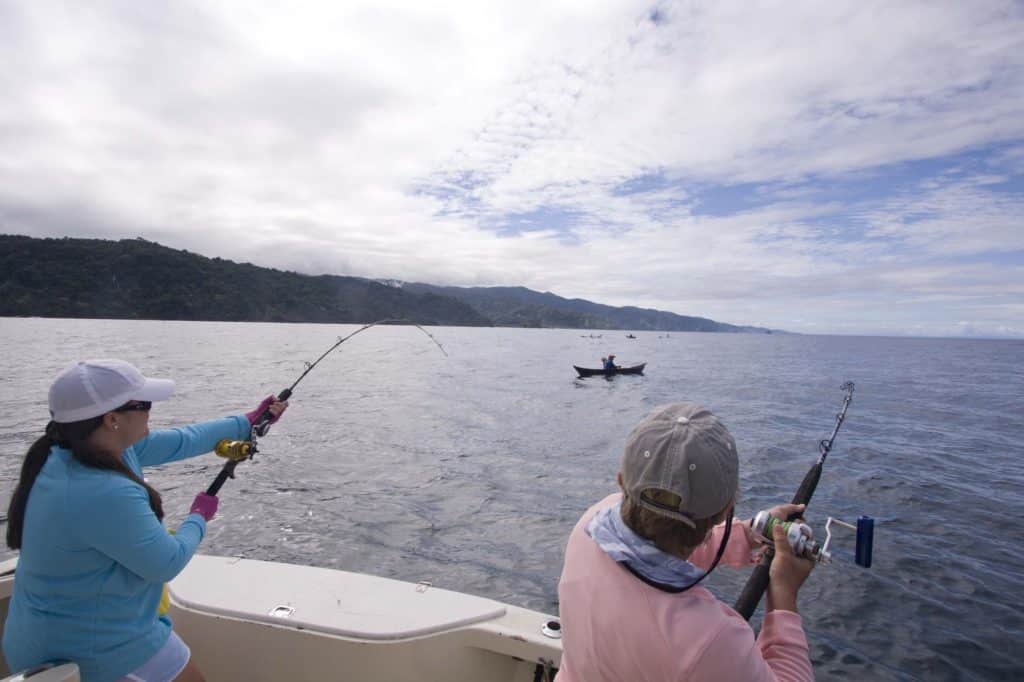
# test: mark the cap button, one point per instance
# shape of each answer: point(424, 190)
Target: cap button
point(683, 420)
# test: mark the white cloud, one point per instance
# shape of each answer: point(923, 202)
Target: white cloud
point(303, 137)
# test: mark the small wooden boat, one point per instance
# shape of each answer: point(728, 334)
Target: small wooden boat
point(588, 372)
point(630, 336)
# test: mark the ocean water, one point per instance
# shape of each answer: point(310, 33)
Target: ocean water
point(470, 470)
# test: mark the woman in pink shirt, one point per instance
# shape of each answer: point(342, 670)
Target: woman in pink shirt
point(630, 602)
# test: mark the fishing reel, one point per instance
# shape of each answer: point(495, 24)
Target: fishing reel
point(241, 450)
point(235, 450)
point(801, 537)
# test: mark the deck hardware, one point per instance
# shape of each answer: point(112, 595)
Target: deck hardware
point(281, 612)
point(552, 629)
point(423, 585)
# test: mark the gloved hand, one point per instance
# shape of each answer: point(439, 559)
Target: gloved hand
point(204, 505)
point(276, 407)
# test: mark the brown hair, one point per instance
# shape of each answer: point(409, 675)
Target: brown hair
point(73, 436)
point(669, 535)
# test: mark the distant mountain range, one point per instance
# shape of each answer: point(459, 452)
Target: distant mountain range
point(139, 279)
point(522, 307)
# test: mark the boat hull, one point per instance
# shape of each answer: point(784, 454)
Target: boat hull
point(588, 372)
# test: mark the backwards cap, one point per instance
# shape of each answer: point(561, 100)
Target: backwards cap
point(681, 448)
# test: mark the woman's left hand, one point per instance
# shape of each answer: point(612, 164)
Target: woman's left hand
point(276, 407)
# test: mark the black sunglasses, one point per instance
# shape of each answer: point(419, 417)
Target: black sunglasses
point(138, 406)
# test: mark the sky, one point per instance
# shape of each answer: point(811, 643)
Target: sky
point(838, 167)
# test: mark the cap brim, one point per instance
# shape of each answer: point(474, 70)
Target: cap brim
point(155, 390)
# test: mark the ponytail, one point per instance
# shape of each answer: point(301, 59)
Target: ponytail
point(30, 468)
point(72, 436)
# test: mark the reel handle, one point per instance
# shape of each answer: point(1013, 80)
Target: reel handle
point(865, 537)
point(865, 541)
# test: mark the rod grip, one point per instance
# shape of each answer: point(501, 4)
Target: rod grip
point(226, 472)
point(757, 583)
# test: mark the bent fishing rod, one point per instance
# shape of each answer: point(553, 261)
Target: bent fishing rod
point(240, 450)
point(756, 585)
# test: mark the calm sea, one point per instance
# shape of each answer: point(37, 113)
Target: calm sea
point(470, 470)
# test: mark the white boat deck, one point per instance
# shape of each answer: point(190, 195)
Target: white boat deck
point(256, 620)
point(333, 602)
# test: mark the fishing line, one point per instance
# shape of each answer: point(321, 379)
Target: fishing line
point(240, 450)
point(310, 365)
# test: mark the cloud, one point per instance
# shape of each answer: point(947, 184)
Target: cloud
point(858, 165)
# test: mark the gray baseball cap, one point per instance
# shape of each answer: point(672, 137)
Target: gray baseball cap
point(683, 449)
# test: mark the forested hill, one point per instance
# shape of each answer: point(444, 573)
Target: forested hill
point(521, 307)
point(137, 279)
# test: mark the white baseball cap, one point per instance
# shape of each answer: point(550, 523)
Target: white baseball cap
point(91, 388)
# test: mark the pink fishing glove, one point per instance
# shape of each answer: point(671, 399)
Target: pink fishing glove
point(204, 505)
point(254, 416)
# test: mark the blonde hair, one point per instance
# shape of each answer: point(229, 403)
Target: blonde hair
point(669, 535)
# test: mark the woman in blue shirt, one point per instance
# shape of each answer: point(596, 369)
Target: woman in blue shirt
point(94, 555)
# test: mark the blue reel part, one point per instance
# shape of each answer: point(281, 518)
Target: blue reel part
point(865, 541)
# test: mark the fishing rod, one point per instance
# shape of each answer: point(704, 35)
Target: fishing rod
point(240, 450)
point(752, 592)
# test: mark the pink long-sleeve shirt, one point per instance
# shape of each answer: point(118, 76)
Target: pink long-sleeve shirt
point(615, 627)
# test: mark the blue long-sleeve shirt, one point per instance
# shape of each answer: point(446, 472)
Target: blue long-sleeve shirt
point(94, 558)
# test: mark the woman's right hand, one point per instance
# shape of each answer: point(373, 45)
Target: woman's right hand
point(270, 403)
point(204, 505)
point(787, 574)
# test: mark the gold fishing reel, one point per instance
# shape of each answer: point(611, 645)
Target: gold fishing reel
point(235, 450)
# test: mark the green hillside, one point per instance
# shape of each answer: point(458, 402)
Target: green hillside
point(137, 279)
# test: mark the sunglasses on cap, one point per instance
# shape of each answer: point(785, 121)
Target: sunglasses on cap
point(136, 406)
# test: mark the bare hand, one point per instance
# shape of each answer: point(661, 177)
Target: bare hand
point(784, 511)
point(787, 574)
point(277, 408)
point(779, 511)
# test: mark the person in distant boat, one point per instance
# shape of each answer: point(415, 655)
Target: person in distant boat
point(630, 603)
point(609, 363)
point(94, 552)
